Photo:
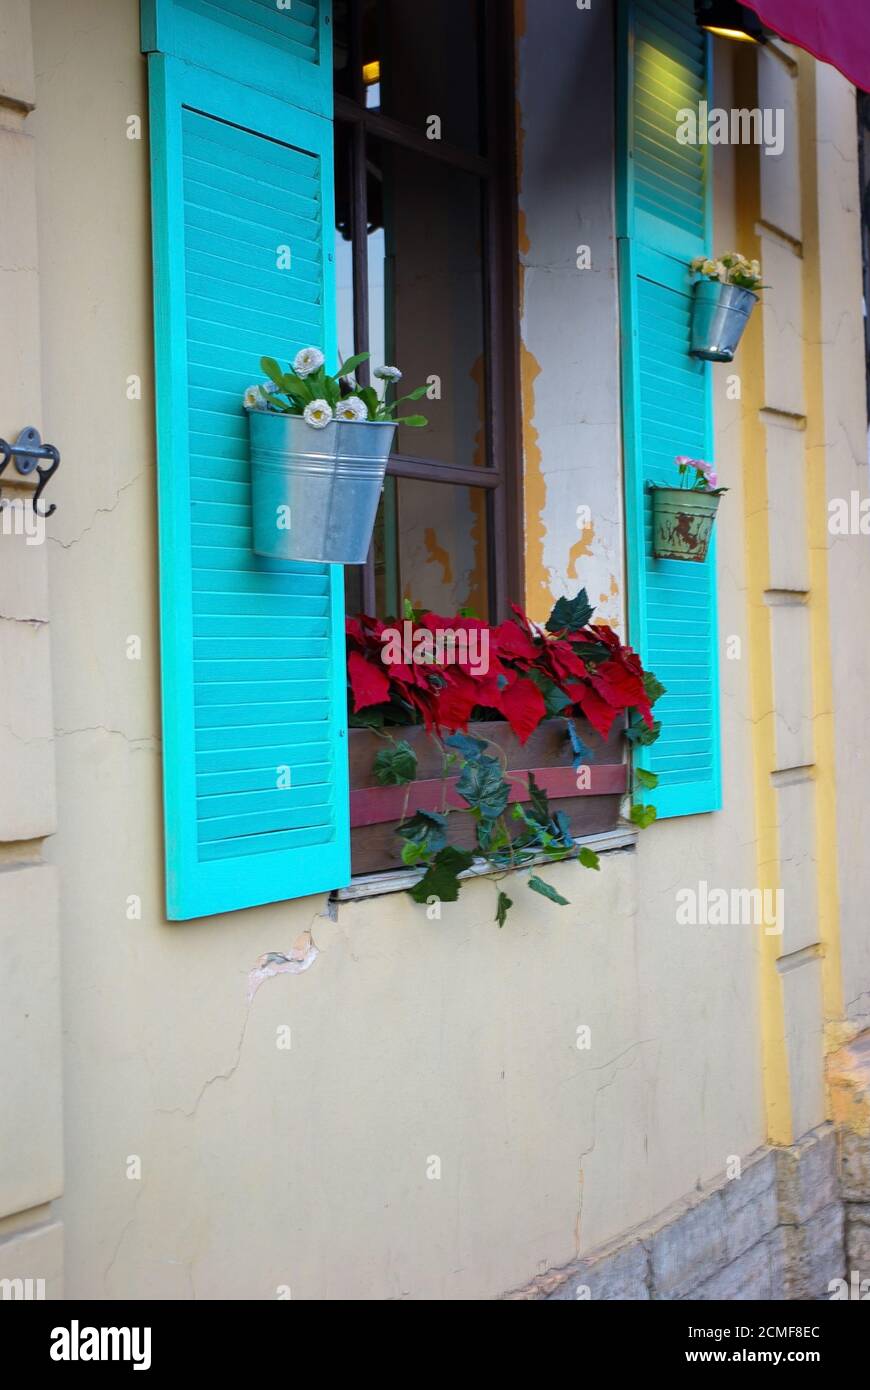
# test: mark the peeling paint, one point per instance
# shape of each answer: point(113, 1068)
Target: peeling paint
point(477, 599)
point(581, 547)
point(437, 555)
point(302, 956)
point(539, 597)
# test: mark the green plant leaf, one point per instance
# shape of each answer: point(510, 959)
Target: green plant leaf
point(369, 396)
point(501, 911)
point(366, 719)
point(492, 837)
point(642, 815)
point(482, 786)
point(293, 385)
point(415, 421)
point(441, 879)
point(570, 613)
point(416, 395)
point(413, 854)
point(352, 363)
point(539, 802)
point(653, 687)
point(639, 735)
point(396, 766)
point(588, 858)
point(272, 370)
point(466, 744)
point(427, 829)
point(555, 700)
point(275, 402)
point(546, 890)
point(648, 780)
point(331, 391)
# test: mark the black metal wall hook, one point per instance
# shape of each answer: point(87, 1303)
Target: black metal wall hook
point(27, 451)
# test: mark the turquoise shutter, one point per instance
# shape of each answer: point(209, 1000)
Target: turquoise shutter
point(253, 649)
point(282, 48)
point(663, 221)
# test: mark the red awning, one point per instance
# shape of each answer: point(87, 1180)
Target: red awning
point(837, 31)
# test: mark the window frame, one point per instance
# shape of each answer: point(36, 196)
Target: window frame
point(501, 478)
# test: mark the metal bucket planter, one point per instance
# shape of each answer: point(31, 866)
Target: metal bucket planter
point(719, 315)
point(315, 493)
point(682, 523)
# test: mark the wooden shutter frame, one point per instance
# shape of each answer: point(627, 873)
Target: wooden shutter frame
point(636, 229)
point(177, 29)
point(195, 887)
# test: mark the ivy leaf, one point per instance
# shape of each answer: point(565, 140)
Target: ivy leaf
point(653, 687)
point(501, 911)
point(642, 815)
point(639, 735)
point(413, 854)
point(397, 766)
point(441, 879)
point(365, 719)
point(492, 836)
point(570, 614)
point(555, 700)
point(483, 787)
point(588, 858)
point(546, 890)
point(581, 754)
point(427, 829)
point(466, 744)
point(646, 779)
point(539, 803)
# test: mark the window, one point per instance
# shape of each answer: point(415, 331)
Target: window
point(425, 279)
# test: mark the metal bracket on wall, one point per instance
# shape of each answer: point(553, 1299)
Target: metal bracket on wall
point(27, 452)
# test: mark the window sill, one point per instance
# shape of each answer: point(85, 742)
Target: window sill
point(623, 837)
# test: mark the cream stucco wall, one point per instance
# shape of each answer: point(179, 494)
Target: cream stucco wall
point(263, 1167)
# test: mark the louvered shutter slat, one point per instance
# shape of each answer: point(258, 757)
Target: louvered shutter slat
point(664, 223)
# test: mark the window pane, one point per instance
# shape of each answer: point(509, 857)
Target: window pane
point(344, 286)
point(343, 74)
point(426, 308)
point(421, 58)
point(440, 544)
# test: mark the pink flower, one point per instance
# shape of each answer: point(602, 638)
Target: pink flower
point(701, 466)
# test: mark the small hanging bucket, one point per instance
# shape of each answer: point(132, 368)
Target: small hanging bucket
point(719, 315)
point(315, 492)
point(682, 522)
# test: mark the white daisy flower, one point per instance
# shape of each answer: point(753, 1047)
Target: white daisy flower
point(352, 409)
point(307, 361)
point(251, 399)
point(318, 414)
point(388, 373)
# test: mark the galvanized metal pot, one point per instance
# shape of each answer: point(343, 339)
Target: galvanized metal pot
point(719, 315)
point(315, 492)
point(682, 523)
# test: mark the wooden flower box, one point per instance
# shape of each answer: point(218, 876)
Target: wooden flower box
point(376, 811)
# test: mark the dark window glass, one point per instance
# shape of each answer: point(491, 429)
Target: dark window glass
point(425, 284)
point(420, 59)
point(421, 278)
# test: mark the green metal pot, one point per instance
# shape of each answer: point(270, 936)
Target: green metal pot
point(682, 522)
